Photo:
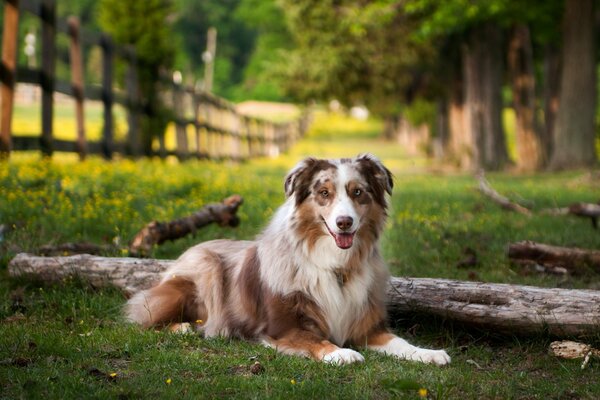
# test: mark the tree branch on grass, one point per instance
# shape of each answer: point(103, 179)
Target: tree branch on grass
point(586, 210)
point(511, 308)
point(156, 232)
point(504, 202)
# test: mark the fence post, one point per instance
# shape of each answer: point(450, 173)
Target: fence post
point(77, 84)
point(48, 16)
point(107, 94)
point(180, 126)
point(197, 122)
point(236, 130)
point(133, 104)
point(7, 73)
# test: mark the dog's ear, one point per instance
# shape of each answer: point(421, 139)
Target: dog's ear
point(380, 178)
point(299, 179)
point(291, 180)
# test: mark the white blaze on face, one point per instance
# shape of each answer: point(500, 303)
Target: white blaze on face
point(343, 219)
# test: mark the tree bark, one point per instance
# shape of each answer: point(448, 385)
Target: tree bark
point(460, 142)
point(574, 260)
point(552, 68)
point(155, 232)
point(482, 63)
point(574, 134)
point(508, 308)
point(128, 274)
point(520, 63)
point(511, 308)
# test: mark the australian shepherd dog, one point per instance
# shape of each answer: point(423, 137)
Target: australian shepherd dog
point(311, 284)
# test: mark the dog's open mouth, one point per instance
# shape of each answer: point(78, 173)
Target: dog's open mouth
point(342, 240)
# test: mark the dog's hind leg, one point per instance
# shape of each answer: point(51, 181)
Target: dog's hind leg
point(173, 301)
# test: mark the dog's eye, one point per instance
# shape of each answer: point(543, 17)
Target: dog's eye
point(324, 193)
point(357, 192)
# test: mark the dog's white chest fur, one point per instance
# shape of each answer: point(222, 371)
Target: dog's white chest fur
point(342, 303)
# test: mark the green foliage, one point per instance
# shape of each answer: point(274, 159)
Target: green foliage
point(354, 52)
point(144, 25)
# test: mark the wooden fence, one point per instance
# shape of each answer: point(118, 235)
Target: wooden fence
point(217, 129)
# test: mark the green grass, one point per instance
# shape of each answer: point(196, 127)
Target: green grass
point(66, 340)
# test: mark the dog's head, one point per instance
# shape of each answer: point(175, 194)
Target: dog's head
point(341, 198)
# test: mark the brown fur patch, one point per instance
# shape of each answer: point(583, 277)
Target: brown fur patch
point(251, 295)
point(309, 226)
point(294, 311)
point(174, 301)
point(370, 323)
point(378, 177)
point(304, 343)
point(380, 337)
point(300, 183)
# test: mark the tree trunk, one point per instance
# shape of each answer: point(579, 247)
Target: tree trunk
point(520, 63)
point(574, 134)
point(511, 308)
point(482, 63)
point(552, 67)
point(390, 126)
point(460, 142)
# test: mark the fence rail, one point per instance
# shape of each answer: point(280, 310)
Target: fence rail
point(217, 129)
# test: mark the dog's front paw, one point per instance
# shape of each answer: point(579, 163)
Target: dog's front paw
point(343, 356)
point(437, 357)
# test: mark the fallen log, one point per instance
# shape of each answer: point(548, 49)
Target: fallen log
point(511, 308)
point(502, 201)
point(573, 259)
point(508, 308)
point(156, 232)
point(586, 210)
point(127, 273)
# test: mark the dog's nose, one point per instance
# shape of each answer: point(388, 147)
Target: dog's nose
point(344, 223)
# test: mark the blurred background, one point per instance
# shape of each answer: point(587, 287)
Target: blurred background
point(477, 84)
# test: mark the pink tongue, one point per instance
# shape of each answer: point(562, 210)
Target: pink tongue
point(344, 240)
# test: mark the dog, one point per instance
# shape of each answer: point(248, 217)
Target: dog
point(312, 283)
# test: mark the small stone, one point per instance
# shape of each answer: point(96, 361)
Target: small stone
point(257, 368)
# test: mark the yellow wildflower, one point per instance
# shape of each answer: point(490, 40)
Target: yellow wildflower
point(168, 381)
point(422, 392)
point(113, 374)
point(293, 381)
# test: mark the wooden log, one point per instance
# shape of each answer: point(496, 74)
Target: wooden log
point(8, 69)
point(155, 232)
point(573, 259)
point(507, 308)
point(502, 201)
point(586, 210)
point(128, 274)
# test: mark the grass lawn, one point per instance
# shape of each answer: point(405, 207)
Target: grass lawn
point(69, 340)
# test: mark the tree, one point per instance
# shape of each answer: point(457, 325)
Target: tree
point(355, 52)
point(235, 40)
point(144, 25)
point(574, 133)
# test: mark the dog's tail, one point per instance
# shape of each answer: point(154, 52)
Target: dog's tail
point(171, 301)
